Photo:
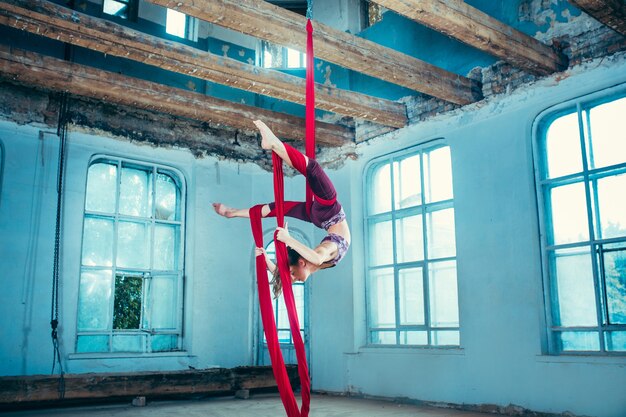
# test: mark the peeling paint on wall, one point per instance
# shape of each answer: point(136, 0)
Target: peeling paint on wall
point(555, 18)
point(327, 72)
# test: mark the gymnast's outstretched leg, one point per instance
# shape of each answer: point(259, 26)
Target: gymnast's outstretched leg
point(319, 182)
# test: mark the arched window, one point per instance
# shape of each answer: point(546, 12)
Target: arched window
point(131, 283)
point(300, 293)
point(580, 154)
point(411, 282)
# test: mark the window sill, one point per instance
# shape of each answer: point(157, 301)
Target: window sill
point(582, 358)
point(410, 350)
point(126, 355)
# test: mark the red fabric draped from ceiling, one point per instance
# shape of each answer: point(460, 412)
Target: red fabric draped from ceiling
point(282, 262)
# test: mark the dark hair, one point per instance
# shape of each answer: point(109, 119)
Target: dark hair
point(277, 285)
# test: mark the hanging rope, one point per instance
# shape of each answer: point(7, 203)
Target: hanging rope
point(54, 311)
point(265, 299)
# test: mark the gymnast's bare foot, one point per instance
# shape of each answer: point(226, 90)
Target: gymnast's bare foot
point(269, 139)
point(223, 210)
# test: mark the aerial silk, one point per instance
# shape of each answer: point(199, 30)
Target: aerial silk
point(265, 298)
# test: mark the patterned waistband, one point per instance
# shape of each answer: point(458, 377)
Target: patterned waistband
point(336, 219)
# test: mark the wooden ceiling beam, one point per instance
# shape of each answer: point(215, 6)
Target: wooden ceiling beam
point(280, 26)
point(58, 75)
point(611, 13)
point(459, 20)
point(56, 22)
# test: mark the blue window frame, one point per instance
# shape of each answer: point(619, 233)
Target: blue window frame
point(411, 287)
point(580, 152)
point(130, 296)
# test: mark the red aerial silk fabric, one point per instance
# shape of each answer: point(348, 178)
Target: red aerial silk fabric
point(310, 106)
point(282, 262)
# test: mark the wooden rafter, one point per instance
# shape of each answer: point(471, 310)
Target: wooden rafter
point(280, 26)
point(459, 20)
point(57, 22)
point(611, 13)
point(58, 75)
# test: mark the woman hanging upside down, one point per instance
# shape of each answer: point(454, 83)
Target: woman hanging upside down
point(326, 213)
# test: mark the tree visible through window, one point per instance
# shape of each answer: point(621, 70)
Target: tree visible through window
point(411, 258)
point(131, 282)
point(582, 184)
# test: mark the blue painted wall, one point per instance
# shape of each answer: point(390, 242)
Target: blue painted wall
point(501, 359)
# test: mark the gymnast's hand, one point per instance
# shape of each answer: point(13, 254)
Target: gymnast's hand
point(283, 233)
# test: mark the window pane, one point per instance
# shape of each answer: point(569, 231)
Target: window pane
point(382, 298)
point(101, 188)
point(573, 289)
point(438, 175)
point(176, 23)
point(563, 146)
point(615, 341)
point(163, 295)
point(282, 319)
point(128, 343)
point(298, 295)
point(380, 191)
point(411, 291)
point(578, 341)
point(607, 142)
point(133, 243)
point(136, 192)
point(128, 302)
point(612, 206)
point(441, 239)
point(615, 277)
point(569, 214)
point(94, 300)
point(407, 182)
point(381, 243)
point(446, 338)
point(164, 343)
point(92, 344)
point(293, 58)
point(414, 338)
point(166, 240)
point(273, 55)
point(444, 304)
point(410, 239)
point(167, 198)
point(98, 242)
point(115, 8)
point(284, 336)
point(384, 338)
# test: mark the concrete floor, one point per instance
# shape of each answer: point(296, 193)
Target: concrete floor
point(268, 405)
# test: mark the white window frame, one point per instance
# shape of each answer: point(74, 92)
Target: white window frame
point(587, 176)
point(144, 274)
point(392, 215)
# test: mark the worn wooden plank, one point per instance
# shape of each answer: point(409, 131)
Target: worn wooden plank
point(58, 75)
point(459, 20)
point(275, 24)
point(53, 21)
point(15, 390)
point(611, 13)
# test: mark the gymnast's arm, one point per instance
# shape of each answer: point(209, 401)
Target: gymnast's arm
point(324, 252)
point(270, 265)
